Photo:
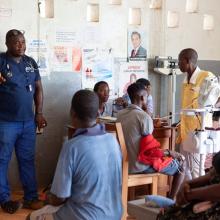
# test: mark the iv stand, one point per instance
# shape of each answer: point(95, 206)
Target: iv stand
point(172, 88)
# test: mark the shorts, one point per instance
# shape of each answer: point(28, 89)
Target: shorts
point(170, 170)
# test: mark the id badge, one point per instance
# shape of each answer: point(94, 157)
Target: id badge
point(29, 88)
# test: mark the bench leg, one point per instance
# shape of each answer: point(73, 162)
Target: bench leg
point(131, 193)
point(154, 185)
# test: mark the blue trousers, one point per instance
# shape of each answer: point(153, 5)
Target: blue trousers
point(20, 136)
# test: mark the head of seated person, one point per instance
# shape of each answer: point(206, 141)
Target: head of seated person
point(84, 109)
point(102, 90)
point(138, 95)
point(146, 83)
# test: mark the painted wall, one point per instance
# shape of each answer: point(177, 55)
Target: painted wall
point(190, 32)
point(112, 32)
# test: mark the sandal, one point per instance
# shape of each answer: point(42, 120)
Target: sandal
point(33, 204)
point(11, 206)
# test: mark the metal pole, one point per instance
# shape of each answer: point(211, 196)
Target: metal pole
point(173, 95)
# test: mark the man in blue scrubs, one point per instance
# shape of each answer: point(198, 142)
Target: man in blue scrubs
point(20, 90)
point(88, 178)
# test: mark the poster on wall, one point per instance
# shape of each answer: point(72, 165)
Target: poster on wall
point(137, 44)
point(67, 54)
point(91, 35)
point(62, 58)
point(129, 73)
point(5, 8)
point(76, 59)
point(97, 66)
point(67, 59)
point(38, 50)
point(5, 12)
point(66, 36)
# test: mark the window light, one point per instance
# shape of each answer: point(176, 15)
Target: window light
point(134, 16)
point(93, 13)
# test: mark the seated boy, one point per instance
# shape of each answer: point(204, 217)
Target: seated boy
point(136, 123)
point(87, 181)
point(125, 100)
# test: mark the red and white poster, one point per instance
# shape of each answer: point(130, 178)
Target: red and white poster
point(129, 73)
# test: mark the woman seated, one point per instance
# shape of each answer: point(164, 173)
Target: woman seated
point(102, 90)
point(198, 198)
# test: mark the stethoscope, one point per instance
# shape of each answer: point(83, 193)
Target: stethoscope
point(29, 68)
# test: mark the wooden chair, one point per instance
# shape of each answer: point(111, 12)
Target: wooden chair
point(130, 180)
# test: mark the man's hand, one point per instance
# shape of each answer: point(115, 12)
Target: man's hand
point(181, 198)
point(120, 101)
point(52, 199)
point(176, 155)
point(2, 79)
point(157, 123)
point(40, 120)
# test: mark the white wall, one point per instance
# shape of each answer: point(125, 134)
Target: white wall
point(113, 25)
point(24, 17)
point(190, 32)
point(72, 15)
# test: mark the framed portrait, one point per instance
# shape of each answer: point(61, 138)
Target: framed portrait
point(137, 44)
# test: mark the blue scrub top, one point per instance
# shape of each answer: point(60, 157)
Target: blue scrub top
point(17, 93)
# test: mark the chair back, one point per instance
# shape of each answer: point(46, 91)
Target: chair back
point(116, 129)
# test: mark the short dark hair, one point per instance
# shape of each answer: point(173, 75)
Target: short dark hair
point(143, 81)
point(190, 54)
point(136, 33)
point(134, 90)
point(96, 87)
point(216, 162)
point(12, 33)
point(85, 104)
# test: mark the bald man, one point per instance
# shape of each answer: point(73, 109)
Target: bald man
point(195, 79)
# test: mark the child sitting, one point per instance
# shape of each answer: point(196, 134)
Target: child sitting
point(102, 90)
point(136, 123)
point(125, 100)
point(87, 182)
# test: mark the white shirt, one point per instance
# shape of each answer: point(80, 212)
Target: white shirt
point(193, 77)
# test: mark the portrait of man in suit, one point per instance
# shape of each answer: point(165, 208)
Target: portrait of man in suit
point(138, 51)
